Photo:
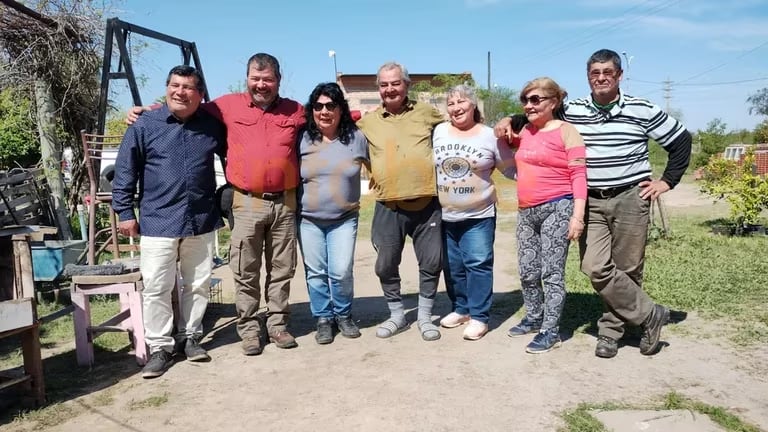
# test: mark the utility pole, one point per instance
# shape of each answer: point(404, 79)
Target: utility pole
point(628, 59)
point(489, 71)
point(667, 91)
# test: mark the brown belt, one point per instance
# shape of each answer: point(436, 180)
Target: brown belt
point(269, 196)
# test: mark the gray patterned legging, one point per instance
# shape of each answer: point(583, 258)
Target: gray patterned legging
point(542, 248)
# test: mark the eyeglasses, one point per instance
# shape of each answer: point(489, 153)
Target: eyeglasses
point(534, 99)
point(596, 73)
point(330, 106)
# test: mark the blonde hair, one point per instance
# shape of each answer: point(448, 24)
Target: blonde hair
point(549, 86)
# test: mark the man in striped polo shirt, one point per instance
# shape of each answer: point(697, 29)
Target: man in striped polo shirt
point(616, 129)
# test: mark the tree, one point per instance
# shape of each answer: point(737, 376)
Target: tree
point(430, 91)
point(759, 102)
point(54, 54)
point(499, 102)
point(712, 141)
point(761, 132)
point(19, 143)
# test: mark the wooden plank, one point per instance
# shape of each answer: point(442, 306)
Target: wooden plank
point(16, 314)
point(21, 201)
point(23, 274)
point(9, 382)
point(33, 362)
point(24, 177)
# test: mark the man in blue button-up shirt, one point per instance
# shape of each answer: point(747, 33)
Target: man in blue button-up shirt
point(168, 155)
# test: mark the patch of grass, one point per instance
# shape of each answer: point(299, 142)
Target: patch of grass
point(150, 402)
point(45, 417)
point(719, 415)
point(105, 398)
point(580, 420)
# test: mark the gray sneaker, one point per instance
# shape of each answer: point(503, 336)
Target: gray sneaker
point(347, 327)
point(158, 363)
point(194, 352)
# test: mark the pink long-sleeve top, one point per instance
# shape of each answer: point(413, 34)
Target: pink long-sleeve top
point(545, 168)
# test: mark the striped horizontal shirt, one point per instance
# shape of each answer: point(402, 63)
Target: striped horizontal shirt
point(617, 139)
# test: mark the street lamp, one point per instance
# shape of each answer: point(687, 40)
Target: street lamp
point(628, 60)
point(332, 54)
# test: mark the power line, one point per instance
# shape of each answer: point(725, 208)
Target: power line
point(703, 84)
point(725, 63)
point(598, 30)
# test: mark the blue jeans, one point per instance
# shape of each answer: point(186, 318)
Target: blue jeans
point(328, 249)
point(469, 266)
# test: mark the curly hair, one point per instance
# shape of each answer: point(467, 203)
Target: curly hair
point(346, 124)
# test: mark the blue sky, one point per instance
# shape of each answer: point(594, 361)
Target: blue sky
point(714, 52)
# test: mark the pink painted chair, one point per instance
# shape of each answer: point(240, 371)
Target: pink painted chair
point(130, 318)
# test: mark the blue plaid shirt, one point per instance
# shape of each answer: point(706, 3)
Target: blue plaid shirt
point(172, 165)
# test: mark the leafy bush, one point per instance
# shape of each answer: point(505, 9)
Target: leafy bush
point(739, 185)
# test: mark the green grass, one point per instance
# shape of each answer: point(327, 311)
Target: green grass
point(580, 420)
point(719, 415)
point(150, 402)
point(723, 278)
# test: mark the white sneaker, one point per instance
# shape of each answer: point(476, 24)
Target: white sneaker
point(475, 330)
point(453, 319)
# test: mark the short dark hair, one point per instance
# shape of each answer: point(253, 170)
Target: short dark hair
point(605, 55)
point(264, 61)
point(346, 123)
point(187, 71)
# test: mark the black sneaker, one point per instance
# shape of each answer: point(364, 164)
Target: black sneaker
point(347, 327)
point(649, 341)
point(324, 333)
point(158, 363)
point(607, 347)
point(194, 352)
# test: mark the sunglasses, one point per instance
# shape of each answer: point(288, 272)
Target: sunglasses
point(534, 100)
point(330, 106)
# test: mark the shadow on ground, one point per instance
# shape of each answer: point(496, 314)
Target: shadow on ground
point(581, 313)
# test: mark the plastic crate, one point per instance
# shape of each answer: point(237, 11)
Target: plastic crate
point(49, 257)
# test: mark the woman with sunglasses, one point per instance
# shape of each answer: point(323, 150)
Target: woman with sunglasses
point(331, 152)
point(552, 192)
point(466, 154)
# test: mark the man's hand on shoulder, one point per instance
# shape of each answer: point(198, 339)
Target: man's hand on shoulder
point(134, 113)
point(652, 189)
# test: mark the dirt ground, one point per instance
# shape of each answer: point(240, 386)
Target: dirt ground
point(406, 384)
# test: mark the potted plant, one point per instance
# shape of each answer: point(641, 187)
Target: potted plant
point(745, 191)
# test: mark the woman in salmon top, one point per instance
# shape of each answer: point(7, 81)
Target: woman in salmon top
point(552, 192)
